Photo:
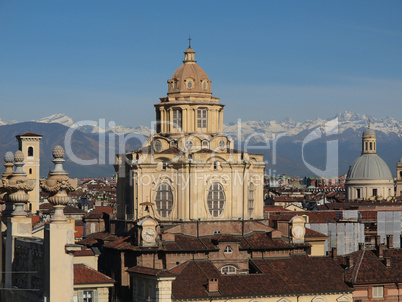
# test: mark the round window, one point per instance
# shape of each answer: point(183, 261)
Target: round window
point(222, 144)
point(189, 145)
point(190, 84)
point(158, 146)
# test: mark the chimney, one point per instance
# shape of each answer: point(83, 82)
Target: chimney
point(388, 261)
point(213, 285)
point(361, 246)
point(390, 241)
point(377, 241)
point(334, 252)
point(350, 261)
point(381, 251)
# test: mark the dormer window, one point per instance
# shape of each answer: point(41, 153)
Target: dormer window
point(175, 86)
point(228, 250)
point(189, 84)
point(204, 85)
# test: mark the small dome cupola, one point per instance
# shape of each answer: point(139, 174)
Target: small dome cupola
point(189, 78)
point(369, 141)
point(189, 56)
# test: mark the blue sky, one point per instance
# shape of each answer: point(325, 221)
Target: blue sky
point(266, 59)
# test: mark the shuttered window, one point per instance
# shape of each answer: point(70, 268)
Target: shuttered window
point(177, 118)
point(251, 198)
point(202, 117)
point(164, 200)
point(216, 199)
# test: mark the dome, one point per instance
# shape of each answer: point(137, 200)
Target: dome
point(369, 131)
point(189, 77)
point(369, 167)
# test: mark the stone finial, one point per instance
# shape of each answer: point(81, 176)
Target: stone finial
point(58, 185)
point(9, 157)
point(16, 185)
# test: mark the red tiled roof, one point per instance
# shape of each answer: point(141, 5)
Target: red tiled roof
point(84, 252)
point(93, 238)
point(313, 234)
point(150, 271)
point(367, 268)
point(297, 274)
point(103, 209)
point(84, 274)
point(28, 134)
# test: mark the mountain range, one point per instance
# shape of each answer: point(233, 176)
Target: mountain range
point(281, 142)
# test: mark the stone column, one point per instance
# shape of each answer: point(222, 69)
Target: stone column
point(15, 189)
point(59, 235)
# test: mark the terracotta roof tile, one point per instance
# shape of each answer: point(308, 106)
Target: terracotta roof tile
point(150, 271)
point(84, 274)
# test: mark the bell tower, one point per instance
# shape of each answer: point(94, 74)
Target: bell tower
point(369, 141)
point(29, 144)
point(399, 178)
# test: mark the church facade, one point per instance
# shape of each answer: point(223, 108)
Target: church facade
point(189, 169)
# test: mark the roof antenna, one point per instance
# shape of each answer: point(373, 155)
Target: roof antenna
point(189, 41)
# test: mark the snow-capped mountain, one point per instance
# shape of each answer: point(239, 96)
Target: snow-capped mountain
point(260, 130)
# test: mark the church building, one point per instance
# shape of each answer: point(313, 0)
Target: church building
point(369, 176)
point(189, 169)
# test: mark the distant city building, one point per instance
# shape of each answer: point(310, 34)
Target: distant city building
point(369, 175)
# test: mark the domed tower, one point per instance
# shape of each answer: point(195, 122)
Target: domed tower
point(189, 106)
point(189, 169)
point(369, 176)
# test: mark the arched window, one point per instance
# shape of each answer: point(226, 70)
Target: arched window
point(205, 144)
point(228, 270)
point(30, 151)
point(228, 250)
point(177, 118)
point(251, 198)
point(164, 200)
point(216, 199)
point(30, 171)
point(371, 146)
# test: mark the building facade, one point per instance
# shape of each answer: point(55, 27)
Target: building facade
point(188, 169)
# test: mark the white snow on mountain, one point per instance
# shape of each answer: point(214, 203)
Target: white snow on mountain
point(259, 129)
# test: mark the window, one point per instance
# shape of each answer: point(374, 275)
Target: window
point(215, 165)
point(228, 270)
point(202, 117)
point(205, 144)
point(177, 118)
point(204, 85)
point(190, 84)
point(164, 165)
point(158, 146)
point(358, 193)
point(216, 199)
point(378, 291)
point(228, 250)
point(216, 232)
point(189, 145)
point(87, 296)
point(374, 192)
point(30, 171)
point(30, 151)
point(175, 85)
point(371, 146)
point(164, 200)
point(251, 198)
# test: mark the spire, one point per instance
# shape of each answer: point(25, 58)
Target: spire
point(189, 53)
